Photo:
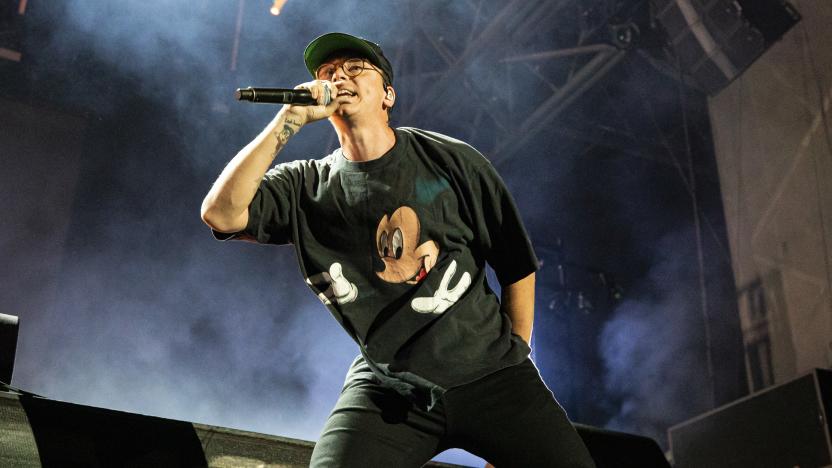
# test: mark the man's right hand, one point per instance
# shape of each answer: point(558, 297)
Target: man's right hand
point(225, 208)
point(321, 90)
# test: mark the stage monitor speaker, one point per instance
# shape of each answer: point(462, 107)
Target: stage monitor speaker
point(714, 41)
point(611, 449)
point(38, 432)
point(786, 425)
point(9, 325)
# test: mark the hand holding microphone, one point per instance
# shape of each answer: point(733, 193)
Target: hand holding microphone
point(308, 102)
point(296, 97)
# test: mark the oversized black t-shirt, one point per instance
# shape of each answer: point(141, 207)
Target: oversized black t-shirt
point(396, 249)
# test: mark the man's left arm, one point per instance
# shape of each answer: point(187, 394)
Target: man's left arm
point(518, 302)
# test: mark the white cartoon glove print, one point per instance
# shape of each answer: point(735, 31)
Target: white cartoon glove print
point(443, 297)
point(338, 287)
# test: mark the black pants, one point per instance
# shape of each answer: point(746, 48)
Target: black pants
point(510, 418)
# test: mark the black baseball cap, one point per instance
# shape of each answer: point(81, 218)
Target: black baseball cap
point(324, 46)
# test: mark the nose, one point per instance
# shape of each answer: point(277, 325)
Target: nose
point(339, 74)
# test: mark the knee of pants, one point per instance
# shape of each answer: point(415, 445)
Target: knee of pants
point(372, 426)
point(512, 419)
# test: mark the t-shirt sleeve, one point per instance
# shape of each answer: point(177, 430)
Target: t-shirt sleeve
point(271, 212)
point(500, 229)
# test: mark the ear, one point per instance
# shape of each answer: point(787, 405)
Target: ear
point(389, 98)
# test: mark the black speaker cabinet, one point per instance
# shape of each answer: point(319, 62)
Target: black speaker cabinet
point(37, 432)
point(714, 41)
point(783, 426)
point(611, 449)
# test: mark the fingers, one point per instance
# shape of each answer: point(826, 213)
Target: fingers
point(444, 297)
point(335, 271)
point(461, 286)
point(324, 93)
point(446, 278)
point(326, 96)
point(342, 289)
point(424, 305)
point(330, 91)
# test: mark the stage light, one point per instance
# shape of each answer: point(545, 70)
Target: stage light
point(277, 6)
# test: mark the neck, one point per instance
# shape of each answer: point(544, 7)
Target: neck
point(366, 141)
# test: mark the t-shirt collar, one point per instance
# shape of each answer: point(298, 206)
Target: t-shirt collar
point(344, 164)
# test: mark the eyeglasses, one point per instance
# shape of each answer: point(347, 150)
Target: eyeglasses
point(352, 68)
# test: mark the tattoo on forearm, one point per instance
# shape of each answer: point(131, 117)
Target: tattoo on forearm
point(289, 128)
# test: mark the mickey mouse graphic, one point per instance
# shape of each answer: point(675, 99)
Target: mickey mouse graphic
point(396, 239)
point(407, 261)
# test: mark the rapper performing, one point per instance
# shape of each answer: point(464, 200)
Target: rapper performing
point(393, 231)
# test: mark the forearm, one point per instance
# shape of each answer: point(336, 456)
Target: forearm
point(518, 303)
point(225, 208)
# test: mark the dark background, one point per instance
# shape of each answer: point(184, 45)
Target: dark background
point(120, 115)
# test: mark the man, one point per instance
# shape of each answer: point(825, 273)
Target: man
point(393, 231)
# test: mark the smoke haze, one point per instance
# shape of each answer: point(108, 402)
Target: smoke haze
point(140, 309)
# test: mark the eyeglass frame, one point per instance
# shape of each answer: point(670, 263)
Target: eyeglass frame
point(341, 66)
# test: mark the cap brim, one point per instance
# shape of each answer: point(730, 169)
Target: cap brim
point(322, 47)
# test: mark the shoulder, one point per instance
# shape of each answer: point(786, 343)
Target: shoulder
point(445, 147)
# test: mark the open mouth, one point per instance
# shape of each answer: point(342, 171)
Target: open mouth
point(345, 92)
point(421, 274)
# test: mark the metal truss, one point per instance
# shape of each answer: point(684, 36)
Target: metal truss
point(509, 71)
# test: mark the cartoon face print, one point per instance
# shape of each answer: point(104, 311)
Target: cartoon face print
point(396, 240)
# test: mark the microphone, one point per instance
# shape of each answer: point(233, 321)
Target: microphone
point(297, 97)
